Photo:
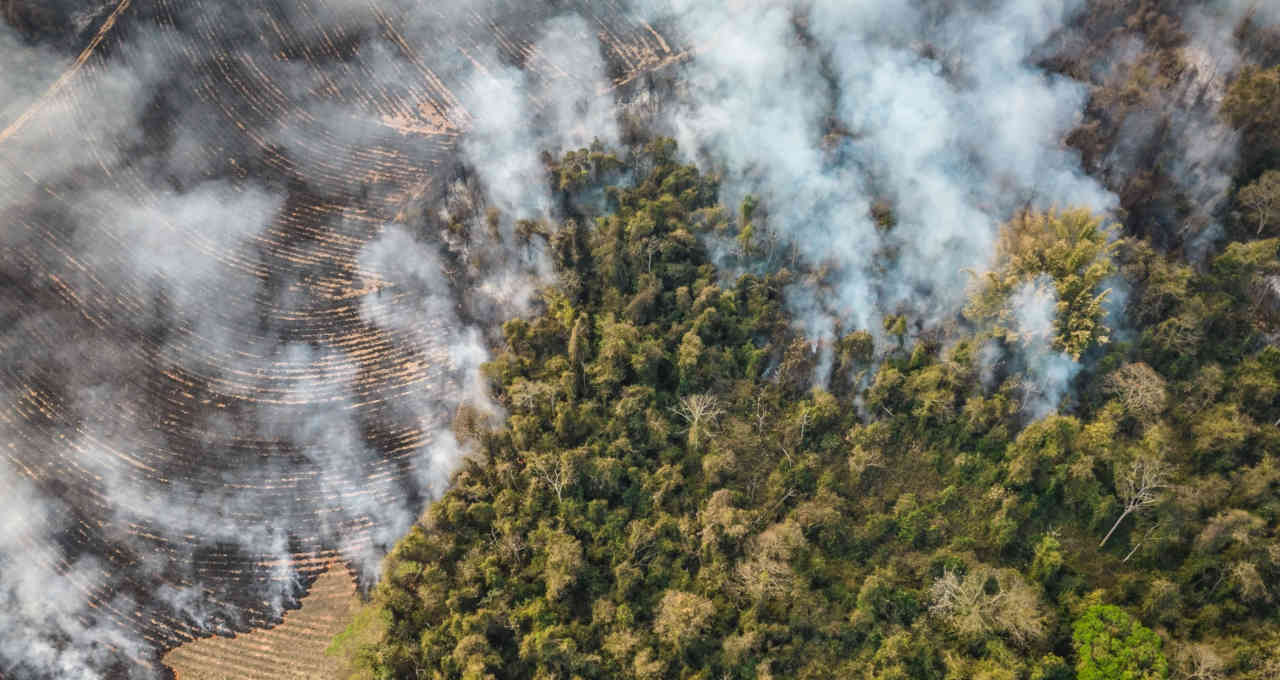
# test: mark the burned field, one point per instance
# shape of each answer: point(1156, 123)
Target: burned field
point(208, 393)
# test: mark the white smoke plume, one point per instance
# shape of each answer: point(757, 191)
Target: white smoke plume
point(824, 108)
point(517, 115)
point(48, 630)
point(1048, 371)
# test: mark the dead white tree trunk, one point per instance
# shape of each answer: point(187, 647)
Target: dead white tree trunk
point(1139, 487)
point(1140, 541)
point(554, 473)
point(700, 412)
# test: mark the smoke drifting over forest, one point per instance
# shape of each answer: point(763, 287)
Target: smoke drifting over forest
point(938, 112)
point(237, 322)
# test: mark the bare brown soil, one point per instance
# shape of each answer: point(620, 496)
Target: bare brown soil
point(293, 650)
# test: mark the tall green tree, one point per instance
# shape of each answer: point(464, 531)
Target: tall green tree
point(1111, 645)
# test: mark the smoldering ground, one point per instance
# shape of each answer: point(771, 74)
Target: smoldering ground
point(236, 325)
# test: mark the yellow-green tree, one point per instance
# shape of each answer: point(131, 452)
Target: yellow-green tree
point(1252, 104)
point(1261, 199)
point(1073, 250)
point(1111, 645)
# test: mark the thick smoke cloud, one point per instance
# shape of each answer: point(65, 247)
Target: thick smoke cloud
point(936, 111)
point(42, 605)
point(28, 73)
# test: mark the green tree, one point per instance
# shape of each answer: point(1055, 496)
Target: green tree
point(670, 496)
point(1252, 104)
point(1261, 199)
point(617, 340)
point(1111, 645)
point(1047, 562)
point(563, 562)
point(1072, 249)
point(688, 361)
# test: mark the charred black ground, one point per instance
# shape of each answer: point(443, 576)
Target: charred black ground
point(231, 82)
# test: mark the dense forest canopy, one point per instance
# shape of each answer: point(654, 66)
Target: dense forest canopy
point(675, 481)
point(685, 486)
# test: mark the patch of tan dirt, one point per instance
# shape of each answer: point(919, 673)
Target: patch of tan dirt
point(293, 650)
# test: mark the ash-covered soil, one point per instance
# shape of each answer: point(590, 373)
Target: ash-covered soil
point(209, 387)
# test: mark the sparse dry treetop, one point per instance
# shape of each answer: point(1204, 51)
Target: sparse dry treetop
point(1140, 389)
point(554, 471)
point(972, 606)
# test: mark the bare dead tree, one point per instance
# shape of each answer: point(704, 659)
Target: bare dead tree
point(700, 412)
point(554, 473)
point(1140, 388)
point(764, 576)
point(1138, 544)
point(966, 604)
point(696, 409)
point(511, 546)
point(1139, 487)
point(788, 445)
point(1201, 662)
point(761, 414)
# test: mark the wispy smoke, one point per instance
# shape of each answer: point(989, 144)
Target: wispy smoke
point(217, 365)
point(417, 305)
point(824, 108)
point(1201, 150)
point(1159, 140)
point(1048, 372)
